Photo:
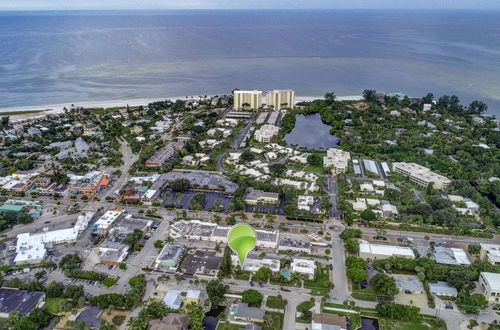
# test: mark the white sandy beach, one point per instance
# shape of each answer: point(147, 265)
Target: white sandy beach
point(58, 108)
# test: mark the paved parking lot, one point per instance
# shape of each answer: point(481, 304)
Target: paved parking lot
point(274, 209)
point(183, 202)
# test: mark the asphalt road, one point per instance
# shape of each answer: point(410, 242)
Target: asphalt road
point(129, 158)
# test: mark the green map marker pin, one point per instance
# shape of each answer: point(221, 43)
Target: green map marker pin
point(241, 239)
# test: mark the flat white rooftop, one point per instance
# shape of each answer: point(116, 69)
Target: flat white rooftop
point(387, 250)
point(493, 280)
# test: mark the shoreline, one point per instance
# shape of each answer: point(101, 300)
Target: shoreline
point(36, 110)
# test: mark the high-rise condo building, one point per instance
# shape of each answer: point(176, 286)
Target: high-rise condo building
point(246, 100)
point(280, 99)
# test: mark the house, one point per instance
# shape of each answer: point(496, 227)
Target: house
point(173, 299)
point(328, 321)
point(389, 210)
point(22, 301)
point(192, 297)
point(337, 160)
point(249, 314)
point(490, 283)
point(171, 321)
point(176, 298)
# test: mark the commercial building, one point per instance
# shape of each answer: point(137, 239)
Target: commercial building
point(207, 231)
point(265, 133)
point(253, 264)
point(450, 256)
point(380, 251)
point(421, 175)
point(113, 250)
point(247, 100)
point(304, 266)
point(106, 221)
point(254, 197)
point(32, 248)
point(90, 183)
point(201, 263)
point(22, 301)
point(490, 282)
point(491, 253)
point(337, 160)
point(280, 99)
point(165, 154)
point(169, 257)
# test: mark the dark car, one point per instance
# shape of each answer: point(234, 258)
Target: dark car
point(448, 306)
point(331, 267)
point(407, 291)
point(251, 283)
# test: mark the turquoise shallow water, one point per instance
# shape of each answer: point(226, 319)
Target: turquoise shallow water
point(59, 57)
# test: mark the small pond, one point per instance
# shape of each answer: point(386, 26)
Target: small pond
point(368, 323)
point(211, 318)
point(310, 132)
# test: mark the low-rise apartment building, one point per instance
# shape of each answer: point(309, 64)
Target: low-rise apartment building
point(421, 175)
point(337, 160)
point(265, 133)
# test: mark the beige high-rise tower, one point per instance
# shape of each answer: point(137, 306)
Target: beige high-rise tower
point(280, 99)
point(247, 100)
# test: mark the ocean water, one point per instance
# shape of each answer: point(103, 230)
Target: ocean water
point(60, 57)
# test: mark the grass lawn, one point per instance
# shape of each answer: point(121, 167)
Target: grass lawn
point(243, 275)
point(315, 168)
point(52, 305)
point(273, 302)
point(319, 291)
point(411, 325)
point(321, 282)
point(364, 294)
point(3, 322)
